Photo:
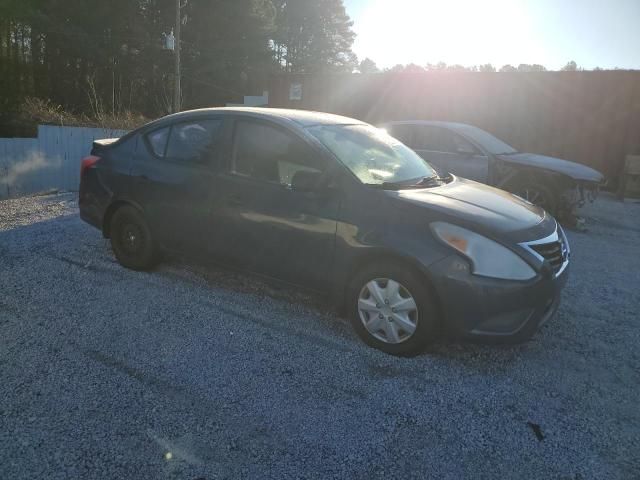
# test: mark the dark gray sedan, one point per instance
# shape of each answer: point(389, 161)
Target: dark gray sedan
point(558, 186)
point(333, 205)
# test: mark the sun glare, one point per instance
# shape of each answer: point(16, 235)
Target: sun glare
point(467, 32)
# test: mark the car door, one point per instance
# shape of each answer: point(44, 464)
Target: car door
point(264, 225)
point(450, 152)
point(174, 178)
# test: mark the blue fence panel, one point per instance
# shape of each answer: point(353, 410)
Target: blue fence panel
point(18, 165)
point(50, 161)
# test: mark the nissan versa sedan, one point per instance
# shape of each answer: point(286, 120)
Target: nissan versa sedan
point(557, 185)
point(334, 205)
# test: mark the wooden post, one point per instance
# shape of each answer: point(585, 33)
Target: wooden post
point(176, 89)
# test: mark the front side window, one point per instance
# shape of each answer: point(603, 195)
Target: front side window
point(194, 141)
point(371, 154)
point(487, 141)
point(461, 145)
point(437, 139)
point(267, 153)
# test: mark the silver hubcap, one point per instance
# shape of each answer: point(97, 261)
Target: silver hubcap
point(387, 310)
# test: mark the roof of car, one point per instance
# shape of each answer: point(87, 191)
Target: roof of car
point(434, 123)
point(304, 118)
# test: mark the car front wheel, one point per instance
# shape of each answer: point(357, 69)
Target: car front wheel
point(393, 311)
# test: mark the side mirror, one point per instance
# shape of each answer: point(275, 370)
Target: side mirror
point(306, 181)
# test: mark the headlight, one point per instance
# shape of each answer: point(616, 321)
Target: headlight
point(488, 258)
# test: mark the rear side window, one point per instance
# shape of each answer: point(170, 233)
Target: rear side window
point(268, 153)
point(193, 142)
point(158, 141)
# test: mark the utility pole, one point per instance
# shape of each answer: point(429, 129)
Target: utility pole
point(176, 89)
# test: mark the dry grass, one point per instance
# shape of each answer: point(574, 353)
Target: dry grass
point(42, 111)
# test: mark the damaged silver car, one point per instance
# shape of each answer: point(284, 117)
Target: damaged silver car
point(558, 186)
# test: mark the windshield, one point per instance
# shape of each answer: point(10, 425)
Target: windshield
point(487, 141)
point(372, 155)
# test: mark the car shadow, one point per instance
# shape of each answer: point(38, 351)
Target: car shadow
point(94, 256)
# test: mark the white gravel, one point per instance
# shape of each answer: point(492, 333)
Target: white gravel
point(191, 374)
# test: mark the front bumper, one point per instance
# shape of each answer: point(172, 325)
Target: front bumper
point(482, 307)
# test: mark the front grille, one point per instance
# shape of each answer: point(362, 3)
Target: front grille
point(552, 252)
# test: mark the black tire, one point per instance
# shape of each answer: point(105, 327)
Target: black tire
point(537, 193)
point(131, 240)
point(428, 324)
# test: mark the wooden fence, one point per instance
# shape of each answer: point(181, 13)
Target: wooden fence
point(52, 160)
point(588, 117)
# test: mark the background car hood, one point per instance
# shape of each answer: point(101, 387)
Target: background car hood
point(488, 209)
point(571, 169)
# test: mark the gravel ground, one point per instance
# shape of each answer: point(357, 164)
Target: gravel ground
point(188, 373)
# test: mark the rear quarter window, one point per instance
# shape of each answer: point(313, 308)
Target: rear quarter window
point(187, 141)
point(157, 141)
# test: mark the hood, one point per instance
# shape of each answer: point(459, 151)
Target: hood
point(489, 209)
point(565, 167)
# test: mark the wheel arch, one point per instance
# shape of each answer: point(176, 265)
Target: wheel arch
point(556, 183)
point(384, 257)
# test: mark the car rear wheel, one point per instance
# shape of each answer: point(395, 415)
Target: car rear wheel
point(392, 310)
point(131, 239)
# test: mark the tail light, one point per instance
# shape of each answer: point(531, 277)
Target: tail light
point(87, 162)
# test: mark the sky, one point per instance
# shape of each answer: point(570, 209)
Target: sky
point(593, 33)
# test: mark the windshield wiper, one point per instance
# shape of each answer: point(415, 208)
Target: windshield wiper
point(387, 185)
point(432, 181)
point(419, 182)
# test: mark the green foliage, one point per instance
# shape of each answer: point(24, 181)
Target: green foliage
point(46, 112)
point(226, 49)
point(487, 67)
point(368, 66)
point(313, 36)
point(107, 56)
point(436, 67)
point(410, 68)
point(525, 67)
